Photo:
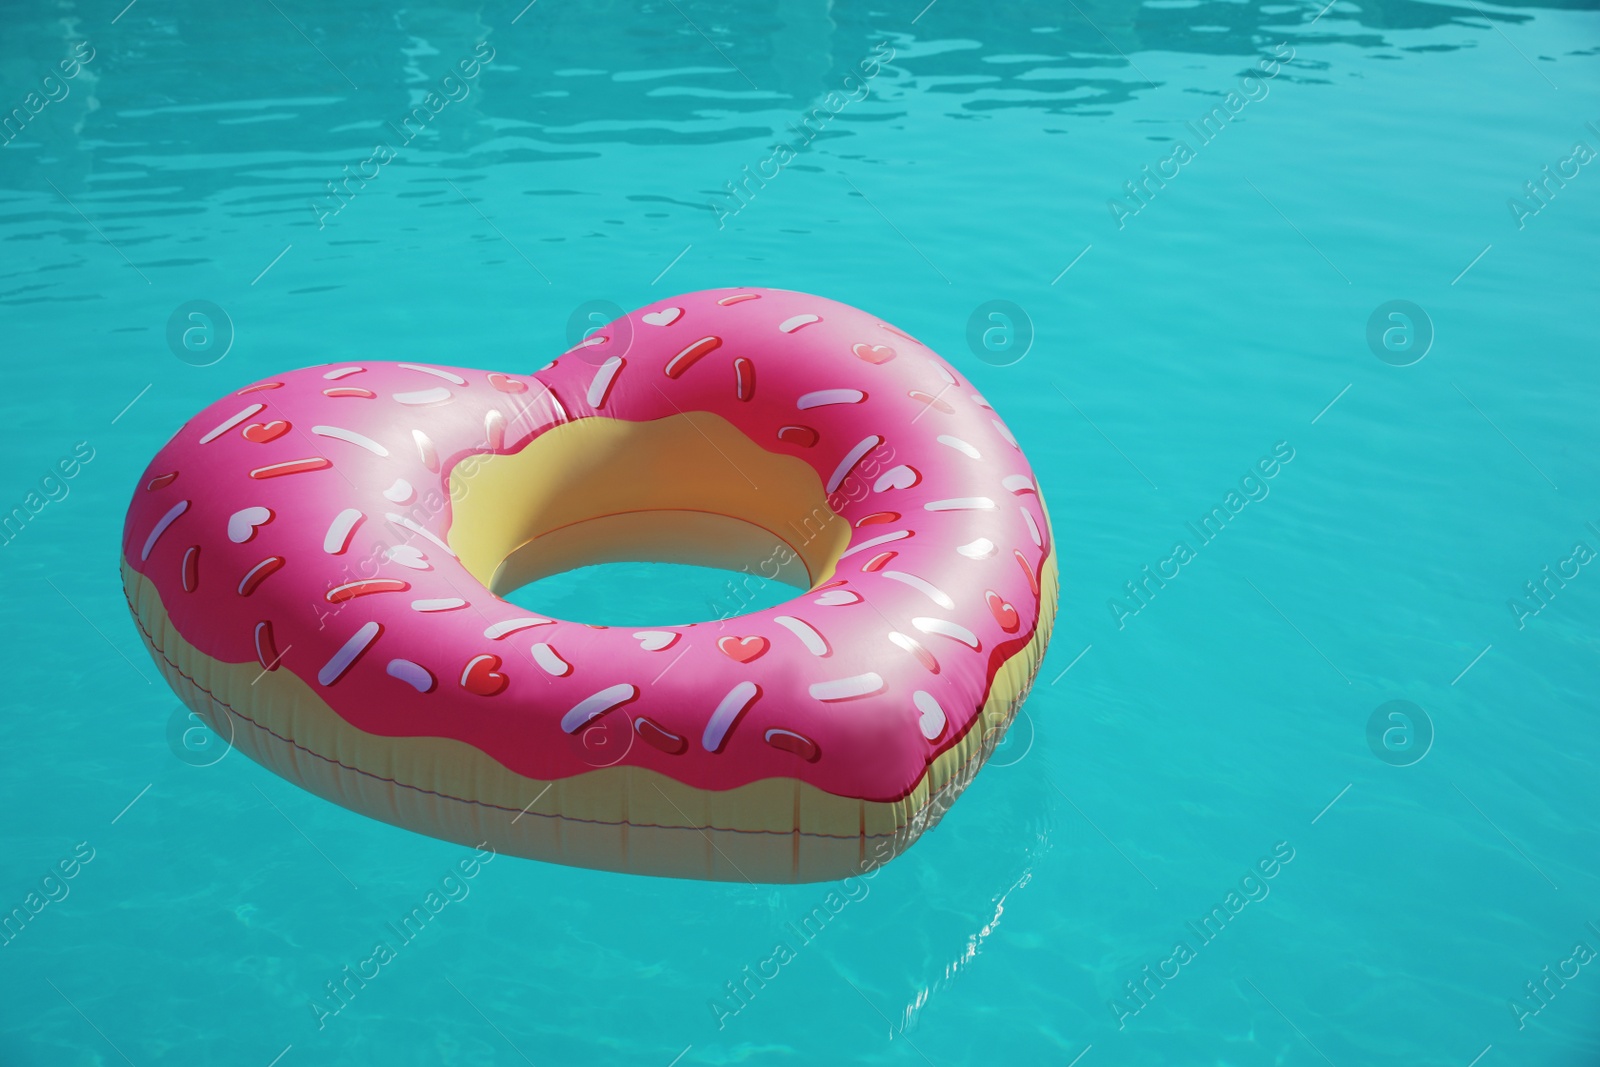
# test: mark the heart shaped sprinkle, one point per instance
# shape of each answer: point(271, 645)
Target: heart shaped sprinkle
point(408, 556)
point(242, 524)
point(1003, 613)
point(505, 384)
point(655, 640)
point(263, 432)
point(932, 720)
point(742, 649)
point(901, 477)
point(982, 548)
point(482, 676)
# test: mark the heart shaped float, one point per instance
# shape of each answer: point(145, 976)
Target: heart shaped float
point(337, 593)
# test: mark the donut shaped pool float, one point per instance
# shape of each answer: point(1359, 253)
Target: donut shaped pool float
point(316, 562)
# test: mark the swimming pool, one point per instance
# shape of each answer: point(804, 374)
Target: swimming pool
point(1303, 778)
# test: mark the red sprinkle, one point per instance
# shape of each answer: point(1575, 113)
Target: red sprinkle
point(691, 355)
point(258, 574)
point(803, 436)
point(660, 737)
point(744, 378)
point(258, 387)
point(1033, 583)
point(350, 590)
point(293, 466)
point(266, 648)
point(789, 741)
point(191, 569)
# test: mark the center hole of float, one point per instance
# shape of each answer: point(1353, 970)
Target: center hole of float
point(593, 501)
point(649, 594)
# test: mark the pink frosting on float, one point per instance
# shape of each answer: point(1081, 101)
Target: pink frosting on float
point(283, 489)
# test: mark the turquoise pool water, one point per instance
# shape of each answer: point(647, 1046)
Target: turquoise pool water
point(1434, 893)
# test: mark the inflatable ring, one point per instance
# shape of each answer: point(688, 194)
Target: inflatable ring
point(316, 563)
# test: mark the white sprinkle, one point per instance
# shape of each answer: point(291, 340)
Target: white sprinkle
point(342, 372)
point(340, 530)
point(851, 458)
point(161, 527)
point(847, 688)
point(1033, 528)
point(429, 454)
point(965, 503)
point(834, 598)
point(908, 644)
point(407, 556)
point(874, 542)
point(932, 592)
point(981, 402)
point(361, 441)
point(825, 397)
point(449, 603)
point(664, 317)
point(998, 425)
point(550, 661)
point(494, 429)
point(901, 477)
point(413, 674)
point(601, 385)
point(959, 445)
point(739, 698)
point(656, 641)
point(423, 396)
point(454, 379)
point(591, 707)
point(1019, 483)
point(405, 523)
point(791, 325)
point(334, 669)
point(982, 548)
point(933, 719)
point(242, 523)
point(950, 379)
point(511, 626)
point(400, 492)
point(815, 643)
point(231, 423)
point(946, 629)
